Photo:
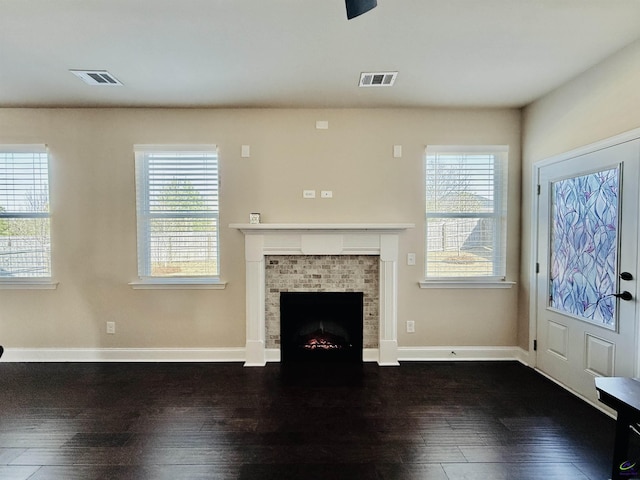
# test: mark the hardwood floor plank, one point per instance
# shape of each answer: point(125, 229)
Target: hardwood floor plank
point(403, 471)
point(308, 472)
point(513, 471)
point(7, 455)
point(433, 454)
point(17, 473)
point(30, 439)
point(522, 453)
point(84, 472)
point(98, 439)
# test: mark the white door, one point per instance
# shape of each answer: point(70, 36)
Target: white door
point(587, 238)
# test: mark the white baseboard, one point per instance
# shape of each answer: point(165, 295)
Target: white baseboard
point(405, 354)
point(421, 354)
point(272, 354)
point(370, 355)
point(522, 356)
point(124, 355)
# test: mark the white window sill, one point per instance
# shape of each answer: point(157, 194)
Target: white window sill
point(465, 284)
point(178, 284)
point(27, 284)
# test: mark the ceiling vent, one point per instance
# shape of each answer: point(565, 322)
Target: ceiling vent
point(377, 79)
point(97, 77)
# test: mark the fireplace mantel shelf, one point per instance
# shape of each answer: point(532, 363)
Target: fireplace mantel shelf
point(282, 227)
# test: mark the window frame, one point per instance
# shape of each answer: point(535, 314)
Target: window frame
point(143, 216)
point(32, 281)
point(499, 214)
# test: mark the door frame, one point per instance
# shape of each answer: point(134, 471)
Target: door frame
point(533, 281)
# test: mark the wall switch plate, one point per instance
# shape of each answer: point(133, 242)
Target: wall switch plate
point(111, 328)
point(322, 125)
point(246, 151)
point(326, 194)
point(411, 326)
point(411, 258)
point(397, 151)
point(308, 194)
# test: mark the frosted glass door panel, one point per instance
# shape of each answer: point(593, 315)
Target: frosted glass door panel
point(584, 246)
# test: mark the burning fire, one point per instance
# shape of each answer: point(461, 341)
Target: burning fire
point(321, 344)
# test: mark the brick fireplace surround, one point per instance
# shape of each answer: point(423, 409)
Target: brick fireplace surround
point(285, 242)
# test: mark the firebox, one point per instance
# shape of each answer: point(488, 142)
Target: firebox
point(321, 326)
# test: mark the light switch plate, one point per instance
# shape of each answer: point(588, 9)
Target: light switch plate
point(308, 194)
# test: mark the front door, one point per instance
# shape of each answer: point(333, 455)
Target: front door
point(587, 256)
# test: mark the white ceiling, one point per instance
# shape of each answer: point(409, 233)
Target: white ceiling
point(303, 53)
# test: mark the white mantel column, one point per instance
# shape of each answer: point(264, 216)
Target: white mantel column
point(255, 354)
point(388, 342)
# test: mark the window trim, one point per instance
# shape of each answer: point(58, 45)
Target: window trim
point(145, 282)
point(470, 284)
point(500, 200)
point(42, 282)
point(178, 283)
point(22, 283)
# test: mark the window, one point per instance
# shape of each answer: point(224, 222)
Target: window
point(178, 215)
point(466, 213)
point(25, 240)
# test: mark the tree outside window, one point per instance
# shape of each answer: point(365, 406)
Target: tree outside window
point(25, 246)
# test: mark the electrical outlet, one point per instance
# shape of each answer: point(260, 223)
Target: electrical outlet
point(308, 194)
point(326, 194)
point(111, 328)
point(411, 326)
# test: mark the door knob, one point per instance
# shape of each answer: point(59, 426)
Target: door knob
point(623, 296)
point(626, 276)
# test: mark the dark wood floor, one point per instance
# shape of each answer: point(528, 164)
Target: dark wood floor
point(487, 420)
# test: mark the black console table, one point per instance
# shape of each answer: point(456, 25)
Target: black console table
point(623, 395)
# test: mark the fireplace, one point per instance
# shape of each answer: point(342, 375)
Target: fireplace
point(321, 327)
point(262, 240)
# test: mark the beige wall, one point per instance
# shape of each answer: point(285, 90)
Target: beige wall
point(94, 224)
point(601, 103)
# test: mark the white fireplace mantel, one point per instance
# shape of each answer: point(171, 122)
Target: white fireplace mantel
point(262, 239)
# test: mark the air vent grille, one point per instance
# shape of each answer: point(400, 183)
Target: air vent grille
point(100, 78)
point(377, 79)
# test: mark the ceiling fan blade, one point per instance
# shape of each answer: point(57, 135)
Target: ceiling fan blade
point(358, 7)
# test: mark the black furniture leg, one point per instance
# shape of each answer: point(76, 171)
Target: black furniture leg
point(621, 447)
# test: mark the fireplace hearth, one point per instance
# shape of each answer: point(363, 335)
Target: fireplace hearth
point(321, 327)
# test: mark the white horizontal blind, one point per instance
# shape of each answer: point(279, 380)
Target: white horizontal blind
point(178, 211)
point(25, 240)
point(465, 212)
